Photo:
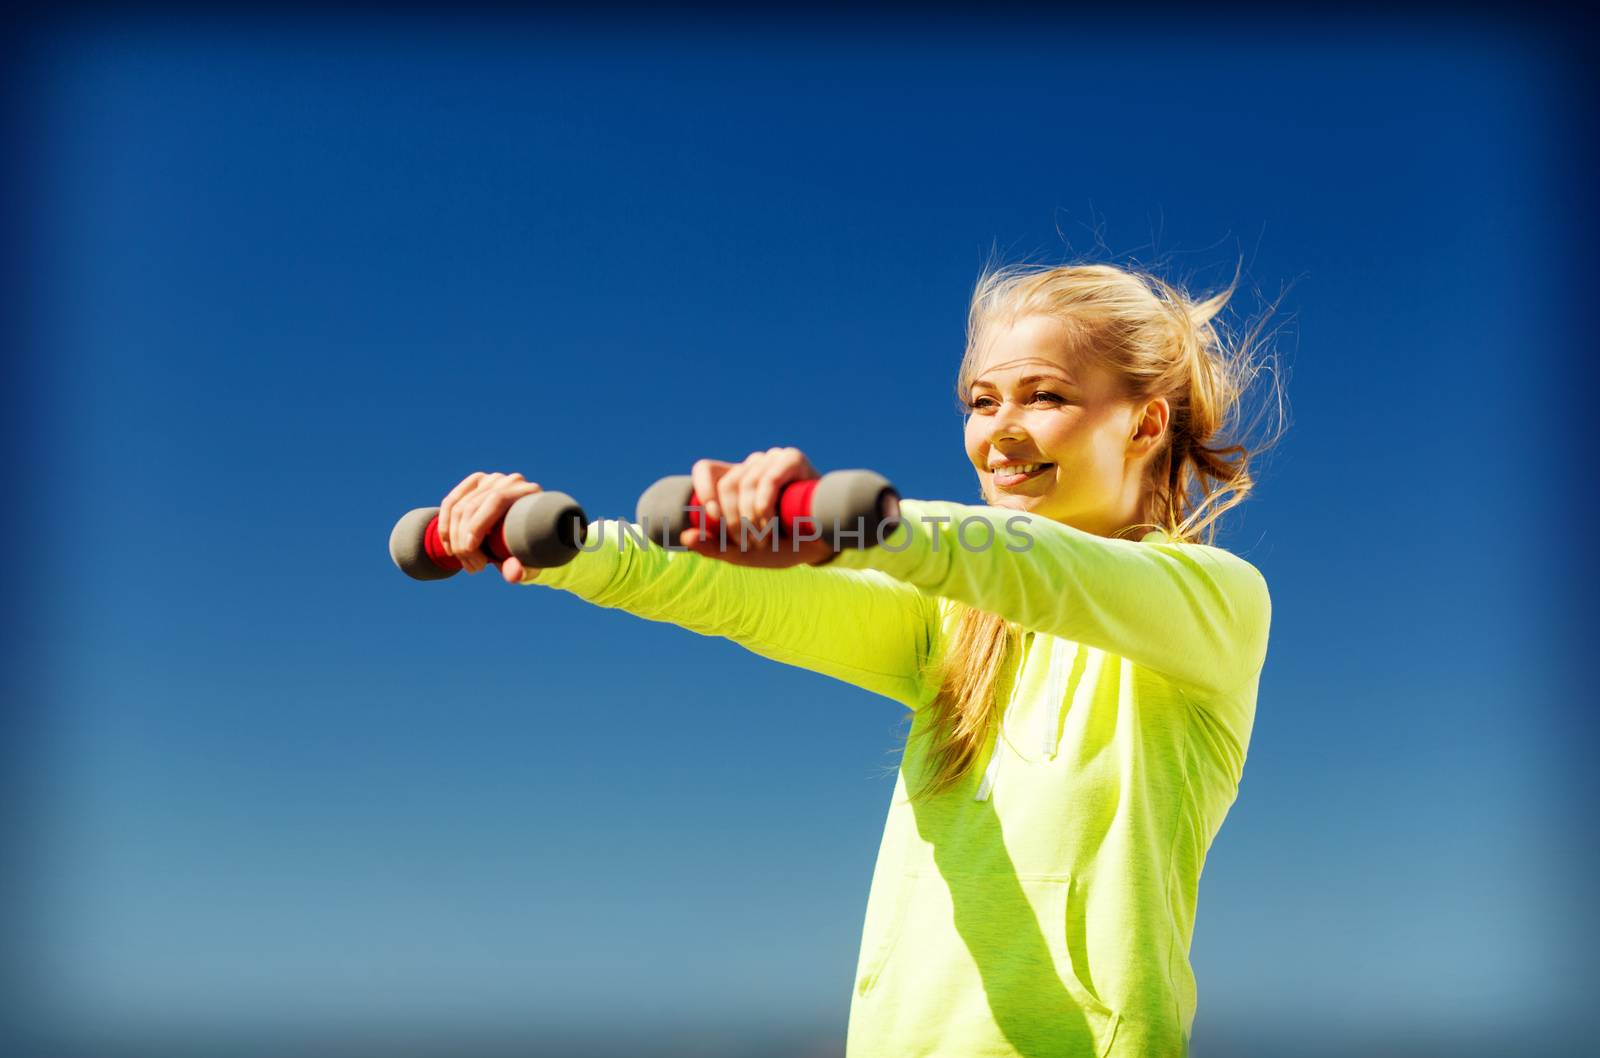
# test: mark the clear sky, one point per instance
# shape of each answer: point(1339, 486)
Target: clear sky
point(290, 278)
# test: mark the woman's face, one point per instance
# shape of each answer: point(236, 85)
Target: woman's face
point(1032, 401)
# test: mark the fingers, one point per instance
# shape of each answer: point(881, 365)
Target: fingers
point(746, 495)
point(448, 504)
point(781, 466)
point(492, 507)
point(705, 474)
point(729, 490)
point(462, 542)
point(473, 508)
point(754, 470)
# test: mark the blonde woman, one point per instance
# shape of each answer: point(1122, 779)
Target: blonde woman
point(1080, 665)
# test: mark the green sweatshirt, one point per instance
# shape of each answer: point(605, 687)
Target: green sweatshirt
point(1045, 906)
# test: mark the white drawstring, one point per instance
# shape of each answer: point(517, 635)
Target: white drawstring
point(1049, 720)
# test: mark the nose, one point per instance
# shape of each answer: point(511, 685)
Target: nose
point(1006, 423)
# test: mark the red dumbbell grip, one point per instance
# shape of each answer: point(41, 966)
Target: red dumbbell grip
point(493, 546)
point(794, 504)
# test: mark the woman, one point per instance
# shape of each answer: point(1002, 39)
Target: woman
point(1081, 668)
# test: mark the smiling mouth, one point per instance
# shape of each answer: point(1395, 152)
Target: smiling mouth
point(1006, 478)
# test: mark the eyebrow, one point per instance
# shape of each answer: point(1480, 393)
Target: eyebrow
point(1028, 380)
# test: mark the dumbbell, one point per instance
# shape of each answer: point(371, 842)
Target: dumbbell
point(542, 530)
point(846, 508)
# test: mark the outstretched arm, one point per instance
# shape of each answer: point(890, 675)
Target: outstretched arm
point(1195, 613)
point(861, 626)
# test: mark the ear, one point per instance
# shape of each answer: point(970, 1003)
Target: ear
point(1150, 426)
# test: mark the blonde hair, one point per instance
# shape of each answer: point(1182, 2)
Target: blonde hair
point(1158, 342)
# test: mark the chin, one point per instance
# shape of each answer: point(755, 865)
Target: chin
point(1012, 499)
point(995, 498)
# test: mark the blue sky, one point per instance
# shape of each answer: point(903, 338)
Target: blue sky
point(294, 278)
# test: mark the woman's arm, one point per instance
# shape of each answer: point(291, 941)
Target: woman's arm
point(1195, 613)
point(860, 626)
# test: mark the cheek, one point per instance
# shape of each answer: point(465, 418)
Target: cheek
point(1103, 458)
point(974, 444)
point(1082, 458)
point(1067, 446)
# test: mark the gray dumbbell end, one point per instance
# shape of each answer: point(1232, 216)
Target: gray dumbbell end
point(408, 548)
point(544, 529)
point(662, 511)
point(860, 505)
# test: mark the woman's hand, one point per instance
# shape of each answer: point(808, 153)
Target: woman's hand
point(471, 509)
point(735, 493)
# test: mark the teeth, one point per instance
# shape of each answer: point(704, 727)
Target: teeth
point(1026, 468)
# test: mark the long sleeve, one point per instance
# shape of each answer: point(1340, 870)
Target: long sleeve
point(860, 626)
point(1195, 613)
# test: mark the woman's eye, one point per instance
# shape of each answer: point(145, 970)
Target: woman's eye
point(981, 403)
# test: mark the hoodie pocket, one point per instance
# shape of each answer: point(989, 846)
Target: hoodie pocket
point(1061, 922)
